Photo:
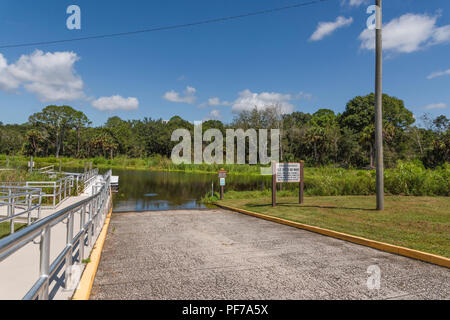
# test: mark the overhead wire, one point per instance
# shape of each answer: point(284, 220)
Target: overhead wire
point(172, 27)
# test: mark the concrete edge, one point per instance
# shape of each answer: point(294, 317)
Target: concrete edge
point(83, 291)
point(410, 253)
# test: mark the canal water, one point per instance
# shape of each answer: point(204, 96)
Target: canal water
point(149, 190)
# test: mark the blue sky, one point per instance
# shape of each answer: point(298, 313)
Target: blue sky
point(215, 70)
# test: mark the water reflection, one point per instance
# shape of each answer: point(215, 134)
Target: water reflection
point(147, 190)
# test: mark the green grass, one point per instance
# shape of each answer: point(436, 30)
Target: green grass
point(420, 223)
point(22, 174)
point(4, 228)
point(408, 178)
point(154, 163)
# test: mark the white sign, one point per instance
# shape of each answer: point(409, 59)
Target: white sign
point(222, 182)
point(287, 172)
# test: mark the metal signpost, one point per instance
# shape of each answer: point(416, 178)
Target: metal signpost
point(222, 176)
point(31, 164)
point(287, 173)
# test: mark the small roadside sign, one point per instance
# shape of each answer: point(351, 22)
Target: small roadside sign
point(288, 172)
point(222, 174)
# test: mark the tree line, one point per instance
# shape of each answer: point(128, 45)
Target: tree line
point(345, 139)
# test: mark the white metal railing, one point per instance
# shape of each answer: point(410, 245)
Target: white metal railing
point(19, 202)
point(55, 192)
point(47, 169)
point(92, 211)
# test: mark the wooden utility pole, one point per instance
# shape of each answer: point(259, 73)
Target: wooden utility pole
point(379, 108)
point(301, 184)
point(274, 184)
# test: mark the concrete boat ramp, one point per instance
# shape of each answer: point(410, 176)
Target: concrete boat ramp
point(218, 254)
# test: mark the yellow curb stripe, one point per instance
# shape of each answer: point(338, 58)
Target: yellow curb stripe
point(410, 253)
point(83, 291)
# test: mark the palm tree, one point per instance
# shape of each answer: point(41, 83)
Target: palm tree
point(368, 139)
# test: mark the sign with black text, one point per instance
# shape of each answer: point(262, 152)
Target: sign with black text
point(288, 172)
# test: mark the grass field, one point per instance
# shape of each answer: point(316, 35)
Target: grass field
point(4, 228)
point(420, 223)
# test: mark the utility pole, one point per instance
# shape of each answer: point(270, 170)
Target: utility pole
point(379, 108)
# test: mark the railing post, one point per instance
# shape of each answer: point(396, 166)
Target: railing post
point(11, 222)
point(40, 204)
point(60, 191)
point(44, 269)
point(69, 257)
point(29, 207)
point(91, 209)
point(83, 232)
point(9, 207)
point(54, 194)
point(99, 214)
point(94, 230)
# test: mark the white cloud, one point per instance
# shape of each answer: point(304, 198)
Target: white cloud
point(115, 103)
point(436, 106)
point(356, 3)
point(304, 95)
point(188, 97)
point(408, 33)
point(213, 115)
point(215, 102)
point(439, 74)
point(51, 76)
point(441, 35)
point(248, 100)
point(326, 28)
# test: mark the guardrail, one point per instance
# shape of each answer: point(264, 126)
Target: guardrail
point(19, 201)
point(92, 211)
point(47, 169)
point(59, 190)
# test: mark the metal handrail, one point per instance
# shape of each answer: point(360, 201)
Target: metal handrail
point(47, 169)
point(93, 209)
point(61, 188)
point(19, 201)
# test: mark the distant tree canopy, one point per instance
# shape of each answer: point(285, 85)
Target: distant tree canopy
point(360, 113)
point(324, 137)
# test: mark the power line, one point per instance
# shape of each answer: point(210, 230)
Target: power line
point(178, 26)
